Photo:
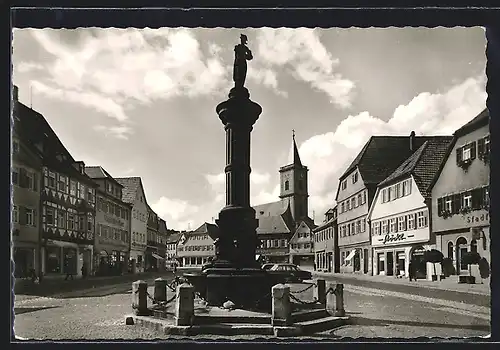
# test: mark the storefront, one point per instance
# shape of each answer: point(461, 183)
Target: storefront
point(24, 261)
point(355, 259)
point(61, 258)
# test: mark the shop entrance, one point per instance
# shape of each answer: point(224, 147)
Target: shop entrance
point(400, 265)
point(381, 263)
point(461, 250)
point(420, 266)
point(390, 264)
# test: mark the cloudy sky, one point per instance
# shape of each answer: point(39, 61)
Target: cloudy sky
point(142, 102)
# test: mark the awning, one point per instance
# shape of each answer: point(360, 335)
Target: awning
point(351, 255)
point(156, 256)
point(257, 256)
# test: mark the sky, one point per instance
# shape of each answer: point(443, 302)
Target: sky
point(141, 102)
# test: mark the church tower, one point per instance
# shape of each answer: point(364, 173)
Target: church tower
point(293, 184)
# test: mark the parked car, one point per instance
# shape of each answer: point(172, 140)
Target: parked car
point(290, 272)
point(267, 266)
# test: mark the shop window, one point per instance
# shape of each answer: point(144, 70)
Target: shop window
point(53, 260)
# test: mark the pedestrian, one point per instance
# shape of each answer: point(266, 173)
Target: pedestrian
point(411, 270)
point(69, 272)
point(84, 270)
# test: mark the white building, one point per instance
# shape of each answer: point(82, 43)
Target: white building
point(133, 193)
point(399, 214)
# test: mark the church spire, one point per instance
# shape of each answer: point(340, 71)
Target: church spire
point(293, 156)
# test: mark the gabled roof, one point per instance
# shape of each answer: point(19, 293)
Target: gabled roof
point(174, 237)
point(381, 155)
point(210, 229)
point(480, 120)
point(272, 224)
point(270, 209)
point(98, 172)
point(423, 164)
point(130, 187)
point(274, 217)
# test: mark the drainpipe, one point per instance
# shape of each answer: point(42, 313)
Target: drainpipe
point(40, 242)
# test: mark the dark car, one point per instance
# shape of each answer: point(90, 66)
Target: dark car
point(290, 273)
point(267, 266)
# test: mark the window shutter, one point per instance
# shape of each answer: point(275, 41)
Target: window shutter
point(22, 177)
point(22, 215)
point(35, 181)
point(35, 218)
point(456, 205)
point(473, 150)
point(477, 196)
point(459, 155)
point(415, 221)
point(440, 206)
point(480, 146)
point(405, 223)
point(409, 186)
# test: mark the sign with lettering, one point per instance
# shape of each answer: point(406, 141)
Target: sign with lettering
point(403, 237)
point(481, 218)
point(113, 220)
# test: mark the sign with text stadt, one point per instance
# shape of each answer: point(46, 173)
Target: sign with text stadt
point(401, 238)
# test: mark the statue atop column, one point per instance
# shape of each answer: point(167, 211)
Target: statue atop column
point(242, 54)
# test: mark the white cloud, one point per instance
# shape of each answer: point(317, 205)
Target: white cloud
point(24, 67)
point(266, 77)
point(177, 213)
point(327, 155)
point(120, 132)
point(302, 51)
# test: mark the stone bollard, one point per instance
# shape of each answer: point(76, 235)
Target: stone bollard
point(320, 291)
point(281, 306)
point(184, 305)
point(160, 293)
point(140, 298)
point(335, 299)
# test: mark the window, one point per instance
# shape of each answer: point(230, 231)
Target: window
point(448, 204)
point(72, 188)
point(15, 214)
point(81, 191)
point(410, 219)
point(283, 243)
point(30, 180)
point(358, 226)
point(421, 219)
point(90, 195)
point(90, 224)
point(344, 185)
point(467, 200)
point(61, 183)
point(397, 190)
point(401, 223)
point(49, 216)
point(71, 221)
point(287, 185)
point(81, 223)
point(276, 243)
point(466, 155)
point(353, 203)
point(390, 195)
point(342, 207)
point(52, 179)
point(109, 187)
point(486, 196)
point(61, 222)
point(15, 175)
point(15, 146)
point(348, 204)
point(404, 188)
point(384, 195)
point(355, 177)
point(384, 227)
point(376, 229)
point(392, 226)
point(353, 229)
point(364, 198)
point(30, 217)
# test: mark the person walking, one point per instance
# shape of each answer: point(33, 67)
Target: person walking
point(84, 270)
point(69, 270)
point(411, 271)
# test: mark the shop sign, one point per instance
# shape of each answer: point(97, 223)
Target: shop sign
point(470, 219)
point(396, 238)
point(113, 220)
point(401, 237)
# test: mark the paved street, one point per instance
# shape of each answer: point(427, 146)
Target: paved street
point(98, 313)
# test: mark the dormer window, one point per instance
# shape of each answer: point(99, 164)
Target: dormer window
point(355, 177)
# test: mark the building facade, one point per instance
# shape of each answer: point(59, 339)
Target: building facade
point(196, 248)
point(162, 242)
point(173, 238)
point(26, 184)
point(112, 236)
point(326, 249)
point(380, 156)
point(460, 196)
point(279, 220)
point(400, 213)
point(302, 246)
point(133, 194)
point(153, 260)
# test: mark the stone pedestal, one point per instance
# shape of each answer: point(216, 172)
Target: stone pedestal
point(160, 293)
point(335, 299)
point(281, 306)
point(140, 298)
point(320, 291)
point(184, 305)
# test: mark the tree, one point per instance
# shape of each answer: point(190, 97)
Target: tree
point(471, 258)
point(433, 256)
point(448, 268)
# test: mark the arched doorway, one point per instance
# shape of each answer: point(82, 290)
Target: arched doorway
point(461, 249)
point(417, 258)
point(450, 250)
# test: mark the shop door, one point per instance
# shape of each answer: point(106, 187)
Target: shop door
point(390, 263)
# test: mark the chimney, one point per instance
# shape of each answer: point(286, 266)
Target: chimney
point(412, 141)
point(15, 93)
